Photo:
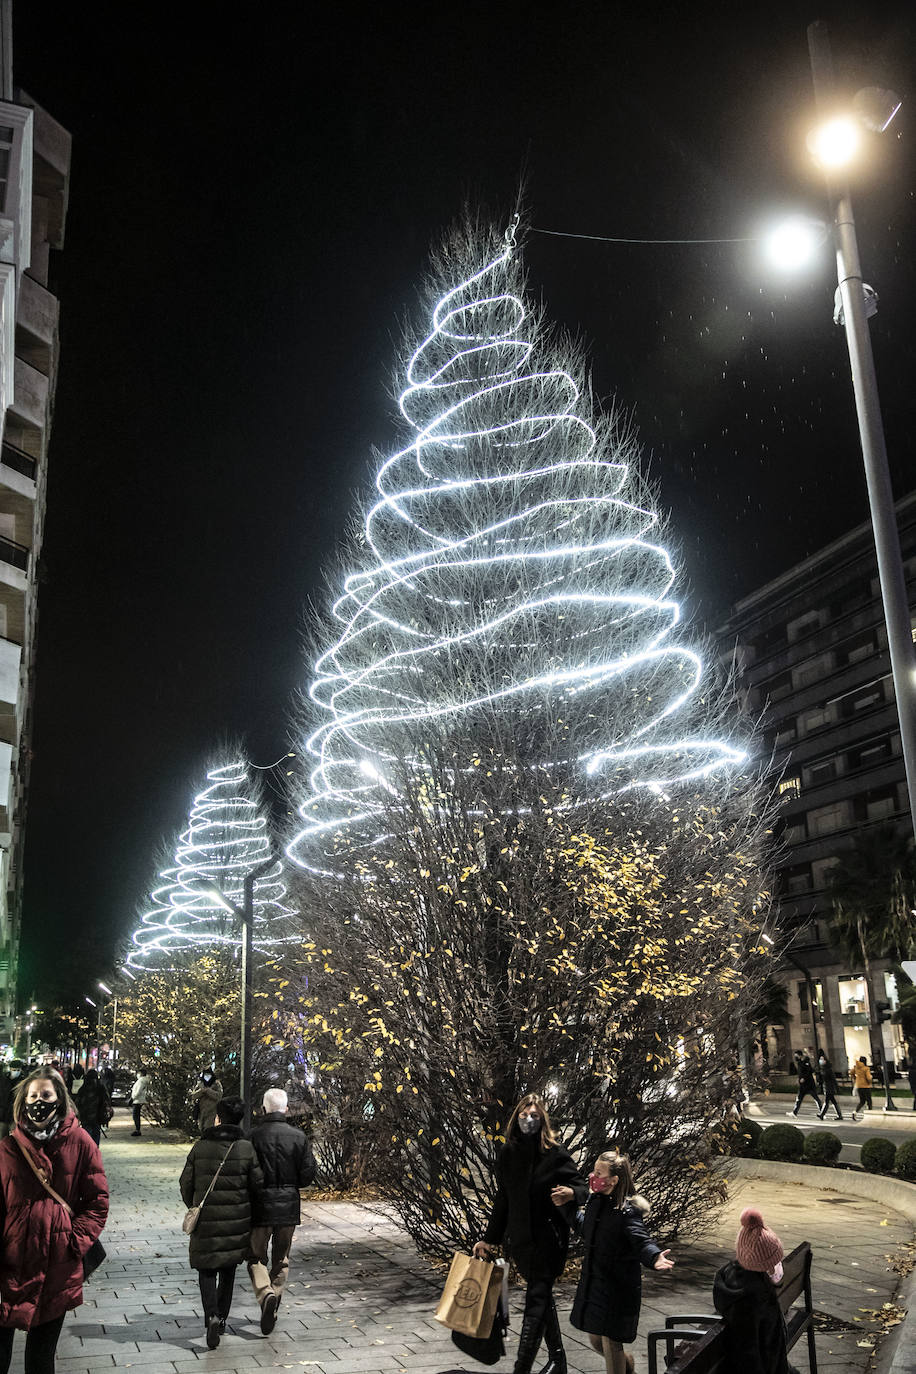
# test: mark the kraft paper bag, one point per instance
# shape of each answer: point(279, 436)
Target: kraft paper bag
point(471, 1296)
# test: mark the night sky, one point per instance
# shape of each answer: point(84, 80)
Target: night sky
point(251, 204)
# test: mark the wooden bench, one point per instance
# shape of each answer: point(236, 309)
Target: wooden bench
point(696, 1343)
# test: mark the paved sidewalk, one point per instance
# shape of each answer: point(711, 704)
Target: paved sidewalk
point(360, 1300)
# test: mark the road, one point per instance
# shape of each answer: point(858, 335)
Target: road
point(852, 1133)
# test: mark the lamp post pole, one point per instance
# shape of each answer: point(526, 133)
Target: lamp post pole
point(871, 430)
point(247, 917)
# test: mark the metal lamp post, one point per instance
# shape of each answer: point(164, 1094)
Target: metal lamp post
point(245, 914)
point(871, 429)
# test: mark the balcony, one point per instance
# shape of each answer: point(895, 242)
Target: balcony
point(16, 555)
point(36, 325)
point(10, 659)
point(30, 401)
point(23, 463)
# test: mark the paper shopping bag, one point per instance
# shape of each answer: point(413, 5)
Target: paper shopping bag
point(471, 1295)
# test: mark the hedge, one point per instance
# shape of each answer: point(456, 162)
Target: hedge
point(822, 1147)
point(782, 1142)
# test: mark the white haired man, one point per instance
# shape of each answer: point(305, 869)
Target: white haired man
point(287, 1165)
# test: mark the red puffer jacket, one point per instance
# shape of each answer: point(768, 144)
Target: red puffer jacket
point(41, 1246)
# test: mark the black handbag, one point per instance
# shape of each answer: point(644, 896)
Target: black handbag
point(487, 1349)
point(93, 1258)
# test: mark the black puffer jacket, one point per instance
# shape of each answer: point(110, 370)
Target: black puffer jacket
point(609, 1294)
point(754, 1324)
point(536, 1232)
point(287, 1165)
point(221, 1236)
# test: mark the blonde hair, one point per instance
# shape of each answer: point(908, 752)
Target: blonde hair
point(620, 1165)
point(548, 1134)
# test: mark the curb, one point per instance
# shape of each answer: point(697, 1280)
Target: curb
point(897, 1352)
point(895, 1193)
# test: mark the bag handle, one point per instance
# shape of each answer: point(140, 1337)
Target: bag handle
point(217, 1174)
point(41, 1175)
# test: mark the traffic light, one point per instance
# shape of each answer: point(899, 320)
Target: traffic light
point(882, 1011)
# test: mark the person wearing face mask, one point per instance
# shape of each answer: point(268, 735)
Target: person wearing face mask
point(744, 1295)
point(206, 1095)
point(9, 1082)
point(538, 1191)
point(609, 1292)
point(42, 1244)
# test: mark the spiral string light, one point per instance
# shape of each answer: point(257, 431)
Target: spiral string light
point(503, 547)
point(226, 838)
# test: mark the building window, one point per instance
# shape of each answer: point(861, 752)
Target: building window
point(821, 869)
point(854, 703)
point(824, 770)
point(814, 720)
point(780, 686)
point(824, 820)
point(797, 880)
point(789, 788)
point(786, 734)
point(868, 755)
point(815, 670)
point(860, 649)
point(876, 805)
point(806, 624)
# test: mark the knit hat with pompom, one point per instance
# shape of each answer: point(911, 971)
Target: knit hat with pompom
point(757, 1248)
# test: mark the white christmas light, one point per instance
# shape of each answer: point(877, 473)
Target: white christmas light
point(502, 543)
point(225, 839)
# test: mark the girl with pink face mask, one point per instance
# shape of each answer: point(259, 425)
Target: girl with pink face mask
point(609, 1294)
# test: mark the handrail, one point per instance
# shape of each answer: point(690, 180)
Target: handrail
point(18, 460)
point(15, 554)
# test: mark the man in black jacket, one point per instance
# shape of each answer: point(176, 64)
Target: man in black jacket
point(287, 1165)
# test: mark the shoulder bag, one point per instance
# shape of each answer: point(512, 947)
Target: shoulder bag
point(192, 1215)
point(96, 1252)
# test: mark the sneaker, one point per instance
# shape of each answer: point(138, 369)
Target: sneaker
point(222, 1326)
point(136, 1132)
point(269, 1313)
point(213, 1333)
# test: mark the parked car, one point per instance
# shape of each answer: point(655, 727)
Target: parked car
point(123, 1082)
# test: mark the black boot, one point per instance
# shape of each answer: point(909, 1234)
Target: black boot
point(554, 1341)
point(528, 1341)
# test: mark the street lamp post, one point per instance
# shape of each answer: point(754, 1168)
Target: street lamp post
point(245, 914)
point(871, 430)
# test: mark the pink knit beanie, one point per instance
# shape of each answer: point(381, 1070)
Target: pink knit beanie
point(756, 1247)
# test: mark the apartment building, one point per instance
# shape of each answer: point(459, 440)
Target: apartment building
point(34, 171)
point(812, 653)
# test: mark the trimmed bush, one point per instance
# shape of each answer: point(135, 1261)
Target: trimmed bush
point(782, 1142)
point(905, 1159)
point(822, 1147)
point(877, 1155)
point(747, 1137)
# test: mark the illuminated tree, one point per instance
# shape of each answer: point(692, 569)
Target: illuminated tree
point(530, 848)
point(507, 579)
point(226, 838)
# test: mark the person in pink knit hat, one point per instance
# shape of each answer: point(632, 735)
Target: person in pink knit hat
point(744, 1295)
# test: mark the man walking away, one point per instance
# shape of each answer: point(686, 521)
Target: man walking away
point(139, 1095)
point(806, 1083)
point(861, 1081)
point(827, 1079)
point(287, 1165)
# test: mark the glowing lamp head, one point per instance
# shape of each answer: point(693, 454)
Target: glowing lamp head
point(835, 143)
point(794, 243)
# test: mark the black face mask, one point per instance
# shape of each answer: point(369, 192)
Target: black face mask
point(39, 1112)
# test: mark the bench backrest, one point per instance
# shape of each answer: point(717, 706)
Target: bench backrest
point(796, 1276)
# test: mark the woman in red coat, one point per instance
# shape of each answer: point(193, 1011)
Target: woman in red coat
point(41, 1244)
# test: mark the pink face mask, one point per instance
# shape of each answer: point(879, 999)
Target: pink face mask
point(597, 1183)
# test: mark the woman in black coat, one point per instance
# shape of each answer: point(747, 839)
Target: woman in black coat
point(93, 1105)
point(220, 1240)
point(538, 1190)
point(609, 1293)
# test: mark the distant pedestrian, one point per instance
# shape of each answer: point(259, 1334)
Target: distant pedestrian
point(93, 1105)
point(106, 1073)
point(806, 1084)
point(744, 1295)
point(207, 1094)
point(221, 1239)
point(616, 1242)
point(139, 1096)
point(861, 1081)
point(41, 1244)
point(827, 1079)
point(287, 1165)
point(9, 1082)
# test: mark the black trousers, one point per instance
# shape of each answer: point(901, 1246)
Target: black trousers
point(830, 1100)
point(216, 1291)
point(538, 1265)
point(136, 1109)
point(802, 1094)
point(40, 1346)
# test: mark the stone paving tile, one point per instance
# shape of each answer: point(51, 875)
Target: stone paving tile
point(361, 1302)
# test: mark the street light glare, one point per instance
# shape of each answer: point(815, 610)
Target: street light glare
point(794, 242)
point(835, 143)
point(107, 989)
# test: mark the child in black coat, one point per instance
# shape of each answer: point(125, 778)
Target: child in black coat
point(744, 1294)
point(609, 1293)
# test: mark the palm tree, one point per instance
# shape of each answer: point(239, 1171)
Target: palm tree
point(872, 892)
